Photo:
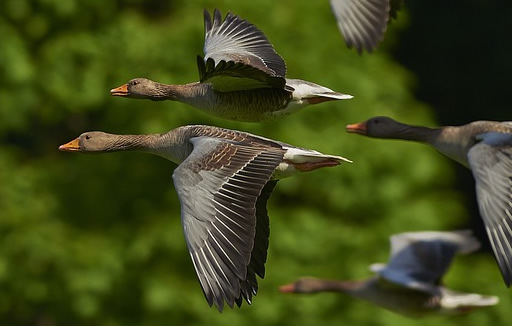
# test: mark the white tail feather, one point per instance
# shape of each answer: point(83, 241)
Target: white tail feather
point(299, 155)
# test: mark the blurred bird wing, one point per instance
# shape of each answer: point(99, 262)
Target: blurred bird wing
point(492, 168)
point(420, 259)
point(218, 186)
point(238, 56)
point(362, 22)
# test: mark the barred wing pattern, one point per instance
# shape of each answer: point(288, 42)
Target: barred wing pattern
point(363, 22)
point(219, 185)
point(249, 287)
point(233, 47)
point(492, 169)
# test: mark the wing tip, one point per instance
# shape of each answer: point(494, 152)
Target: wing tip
point(363, 25)
point(207, 22)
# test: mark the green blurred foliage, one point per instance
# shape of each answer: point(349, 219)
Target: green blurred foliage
point(96, 239)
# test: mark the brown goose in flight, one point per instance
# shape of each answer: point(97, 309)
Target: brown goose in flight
point(223, 180)
point(240, 78)
point(410, 283)
point(483, 146)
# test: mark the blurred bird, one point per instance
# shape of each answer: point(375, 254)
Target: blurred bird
point(410, 283)
point(363, 22)
point(223, 180)
point(240, 78)
point(483, 146)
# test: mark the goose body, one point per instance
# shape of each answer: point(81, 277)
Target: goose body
point(410, 283)
point(483, 146)
point(223, 180)
point(241, 77)
point(363, 22)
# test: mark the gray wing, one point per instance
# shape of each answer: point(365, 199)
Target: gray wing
point(420, 259)
point(238, 55)
point(492, 169)
point(363, 22)
point(219, 185)
point(249, 287)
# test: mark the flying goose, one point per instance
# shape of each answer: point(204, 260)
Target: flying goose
point(224, 179)
point(483, 146)
point(241, 77)
point(410, 283)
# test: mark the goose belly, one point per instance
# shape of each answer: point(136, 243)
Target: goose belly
point(248, 105)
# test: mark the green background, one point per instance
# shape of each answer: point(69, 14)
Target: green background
point(97, 240)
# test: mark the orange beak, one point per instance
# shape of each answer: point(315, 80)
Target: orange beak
point(72, 146)
point(358, 128)
point(288, 288)
point(120, 91)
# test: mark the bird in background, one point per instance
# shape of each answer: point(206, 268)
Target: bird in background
point(485, 147)
point(224, 179)
point(241, 77)
point(410, 284)
point(363, 22)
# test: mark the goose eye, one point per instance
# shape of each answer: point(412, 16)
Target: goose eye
point(87, 137)
point(134, 82)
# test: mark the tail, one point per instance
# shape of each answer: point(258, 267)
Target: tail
point(300, 155)
point(314, 93)
point(466, 301)
point(327, 96)
point(307, 160)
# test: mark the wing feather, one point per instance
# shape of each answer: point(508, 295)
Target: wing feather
point(238, 56)
point(221, 189)
point(492, 169)
point(362, 22)
point(420, 259)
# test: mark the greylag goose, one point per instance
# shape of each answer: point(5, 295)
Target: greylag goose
point(483, 146)
point(240, 78)
point(410, 283)
point(223, 180)
point(363, 22)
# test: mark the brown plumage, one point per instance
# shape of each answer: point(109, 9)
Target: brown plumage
point(224, 180)
point(240, 78)
point(410, 283)
point(483, 146)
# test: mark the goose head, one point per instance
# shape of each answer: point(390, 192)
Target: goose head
point(378, 127)
point(95, 142)
point(304, 285)
point(315, 285)
point(141, 88)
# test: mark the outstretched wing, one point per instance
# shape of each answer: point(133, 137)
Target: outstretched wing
point(238, 55)
point(492, 169)
point(420, 259)
point(219, 186)
point(249, 287)
point(362, 22)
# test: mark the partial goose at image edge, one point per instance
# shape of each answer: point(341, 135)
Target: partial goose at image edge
point(410, 284)
point(485, 147)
